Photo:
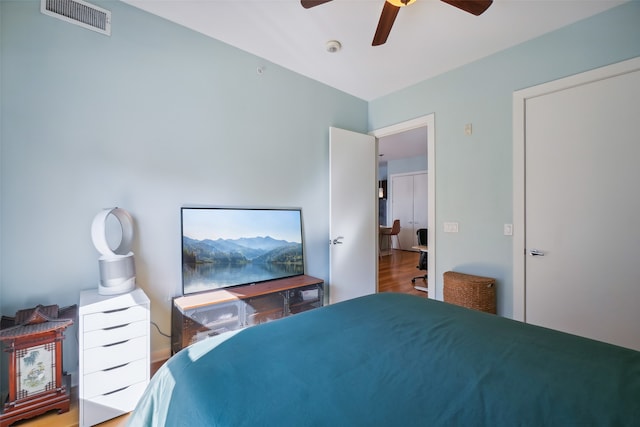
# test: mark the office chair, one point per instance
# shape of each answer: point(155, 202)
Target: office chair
point(424, 255)
point(395, 230)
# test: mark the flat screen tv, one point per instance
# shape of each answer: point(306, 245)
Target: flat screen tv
point(225, 247)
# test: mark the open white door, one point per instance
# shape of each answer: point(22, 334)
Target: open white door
point(353, 227)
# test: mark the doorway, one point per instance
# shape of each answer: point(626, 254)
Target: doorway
point(424, 124)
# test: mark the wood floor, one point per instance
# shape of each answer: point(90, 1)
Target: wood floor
point(395, 272)
point(70, 418)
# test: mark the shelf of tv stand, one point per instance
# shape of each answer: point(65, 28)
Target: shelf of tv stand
point(190, 302)
point(195, 317)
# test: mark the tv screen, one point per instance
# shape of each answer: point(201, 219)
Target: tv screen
point(224, 247)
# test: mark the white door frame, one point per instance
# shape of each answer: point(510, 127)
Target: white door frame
point(519, 121)
point(429, 122)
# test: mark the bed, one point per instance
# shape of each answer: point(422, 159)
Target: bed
point(395, 360)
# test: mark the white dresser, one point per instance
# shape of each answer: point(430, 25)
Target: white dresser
point(114, 357)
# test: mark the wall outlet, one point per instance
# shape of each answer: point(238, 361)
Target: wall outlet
point(450, 227)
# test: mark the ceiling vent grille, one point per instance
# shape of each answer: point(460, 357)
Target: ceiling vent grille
point(80, 13)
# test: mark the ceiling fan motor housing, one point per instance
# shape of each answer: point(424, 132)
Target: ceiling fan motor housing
point(401, 3)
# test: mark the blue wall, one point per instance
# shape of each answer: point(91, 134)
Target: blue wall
point(157, 116)
point(150, 119)
point(407, 165)
point(474, 173)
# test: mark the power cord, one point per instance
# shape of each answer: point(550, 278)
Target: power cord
point(159, 331)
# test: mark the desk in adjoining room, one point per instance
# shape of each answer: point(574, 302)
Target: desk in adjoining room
point(422, 249)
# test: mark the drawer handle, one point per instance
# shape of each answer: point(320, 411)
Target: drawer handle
point(116, 310)
point(115, 343)
point(115, 367)
point(115, 327)
point(116, 391)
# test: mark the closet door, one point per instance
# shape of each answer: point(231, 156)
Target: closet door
point(420, 202)
point(402, 209)
point(582, 208)
point(409, 205)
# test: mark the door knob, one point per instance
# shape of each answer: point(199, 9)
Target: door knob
point(535, 252)
point(337, 240)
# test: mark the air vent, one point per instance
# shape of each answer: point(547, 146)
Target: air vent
point(80, 13)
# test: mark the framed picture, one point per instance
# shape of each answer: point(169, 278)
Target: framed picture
point(35, 369)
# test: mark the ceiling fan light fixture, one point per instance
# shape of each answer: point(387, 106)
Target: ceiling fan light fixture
point(390, 10)
point(401, 3)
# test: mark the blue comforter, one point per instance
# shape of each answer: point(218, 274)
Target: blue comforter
point(395, 360)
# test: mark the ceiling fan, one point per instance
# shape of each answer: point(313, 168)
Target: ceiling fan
point(392, 7)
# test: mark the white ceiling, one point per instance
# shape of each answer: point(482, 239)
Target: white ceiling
point(409, 143)
point(428, 38)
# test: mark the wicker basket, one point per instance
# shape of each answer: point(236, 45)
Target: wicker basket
point(466, 290)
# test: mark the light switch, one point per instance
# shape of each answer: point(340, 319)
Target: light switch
point(508, 229)
point(468, 129)
point(450, 227)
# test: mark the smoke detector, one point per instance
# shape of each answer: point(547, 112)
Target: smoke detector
point(333, 46)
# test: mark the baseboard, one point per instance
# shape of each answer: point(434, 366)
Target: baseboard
point(161, 355)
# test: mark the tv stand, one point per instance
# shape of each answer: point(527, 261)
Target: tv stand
point(198, 316)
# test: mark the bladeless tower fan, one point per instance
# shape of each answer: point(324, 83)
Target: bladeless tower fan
point(117, 269)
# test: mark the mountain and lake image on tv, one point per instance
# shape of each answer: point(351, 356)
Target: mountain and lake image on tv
point(225, 247)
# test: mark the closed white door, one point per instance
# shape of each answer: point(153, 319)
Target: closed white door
point(420, 202)
point(402, 209)
point(409, 197)
point(582, 208)
point(353, 225)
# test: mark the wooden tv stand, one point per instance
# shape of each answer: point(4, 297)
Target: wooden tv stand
point(198, 316)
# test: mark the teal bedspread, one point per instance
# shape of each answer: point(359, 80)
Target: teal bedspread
point(395, 360)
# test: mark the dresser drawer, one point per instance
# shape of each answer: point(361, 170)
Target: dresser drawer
point(101, 337)
point(111, 318)
point(109, 356)
point(110, 380)
point(99, 408)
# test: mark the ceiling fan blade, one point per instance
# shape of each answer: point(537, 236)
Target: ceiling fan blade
point(475, 7)
point(312, 3)
point(387, 17)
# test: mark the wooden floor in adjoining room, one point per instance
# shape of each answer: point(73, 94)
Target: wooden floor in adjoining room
point(395, 272)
